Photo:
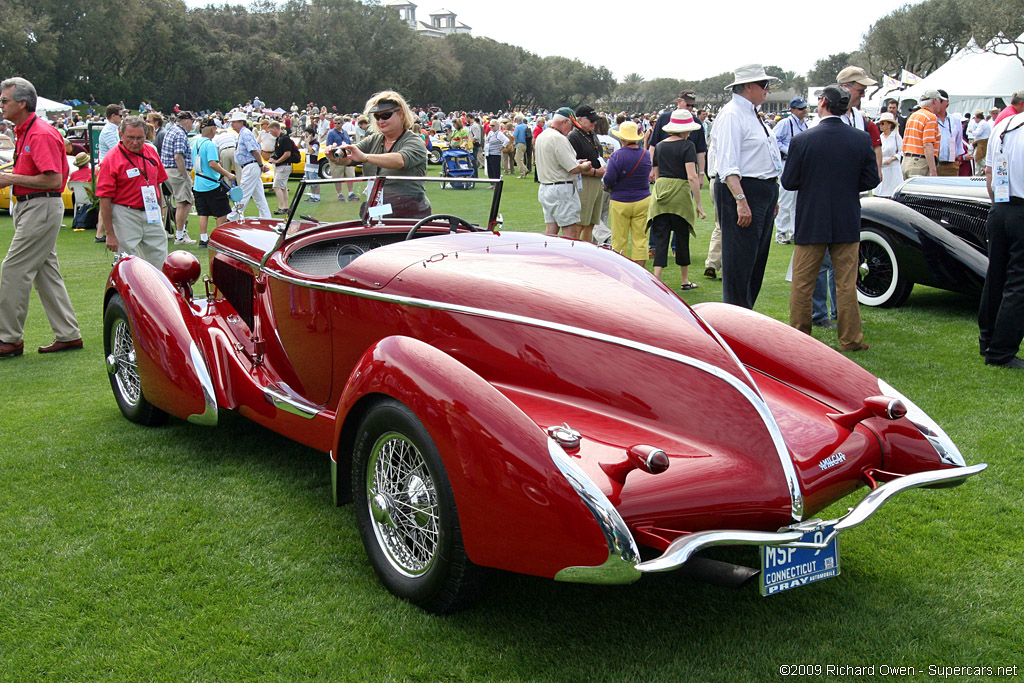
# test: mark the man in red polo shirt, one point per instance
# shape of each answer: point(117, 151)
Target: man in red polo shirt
point(39, 175)
point(129, 190)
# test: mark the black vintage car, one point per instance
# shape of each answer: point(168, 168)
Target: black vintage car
point(931, 232)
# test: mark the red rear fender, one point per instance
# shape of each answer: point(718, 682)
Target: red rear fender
point(517, 510)
point(171, 366)
point(791, 356)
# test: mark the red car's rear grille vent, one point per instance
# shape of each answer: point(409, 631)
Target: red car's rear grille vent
point(966, 220)
point(236, 284)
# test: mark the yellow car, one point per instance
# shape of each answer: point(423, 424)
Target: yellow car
point(68, 195)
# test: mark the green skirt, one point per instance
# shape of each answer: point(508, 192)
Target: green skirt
point(672, 195)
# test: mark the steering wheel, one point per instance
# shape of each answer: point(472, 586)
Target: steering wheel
point(453, 224)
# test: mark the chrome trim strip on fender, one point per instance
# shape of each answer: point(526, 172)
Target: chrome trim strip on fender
point(684, 547)
point(623, 554)
point(929, 428)
point(290, 404)
point(209, 416)
point(752, 395)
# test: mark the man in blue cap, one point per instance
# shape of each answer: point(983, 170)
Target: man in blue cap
point(784, 132)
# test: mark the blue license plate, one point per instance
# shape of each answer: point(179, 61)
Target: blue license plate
point(791, 566)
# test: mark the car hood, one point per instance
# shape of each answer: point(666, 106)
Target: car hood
point(532, 277)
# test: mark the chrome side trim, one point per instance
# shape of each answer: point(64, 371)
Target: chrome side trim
point(623, 554)
point(752, 395)
point(209, 416)
point(290, 404)
point(684, 547)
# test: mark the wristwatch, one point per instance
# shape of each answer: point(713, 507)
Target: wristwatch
point(740, 196)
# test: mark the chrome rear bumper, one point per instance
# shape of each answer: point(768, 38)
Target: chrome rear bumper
point(684, 547)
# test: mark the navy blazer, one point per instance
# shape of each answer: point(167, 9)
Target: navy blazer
point(830, 165)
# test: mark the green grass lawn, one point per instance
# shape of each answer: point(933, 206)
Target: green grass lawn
point(188, 553)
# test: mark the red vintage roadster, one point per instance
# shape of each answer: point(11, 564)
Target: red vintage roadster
point(508, 400)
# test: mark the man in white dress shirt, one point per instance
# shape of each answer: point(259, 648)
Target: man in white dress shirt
point(747, 164)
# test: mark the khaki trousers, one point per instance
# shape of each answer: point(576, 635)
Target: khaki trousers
point(137, 237)
point(948, 168)
point(32, 260)
point(806, 264)
point(521, 159)
point(227, 159)
point(714, 259)
point(980, 150)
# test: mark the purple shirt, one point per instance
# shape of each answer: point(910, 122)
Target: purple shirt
point(627, 179)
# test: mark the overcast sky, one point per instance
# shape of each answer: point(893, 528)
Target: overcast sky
point(708, 38)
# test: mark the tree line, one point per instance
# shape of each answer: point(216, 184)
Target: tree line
point(337, 52)
point(333, 52)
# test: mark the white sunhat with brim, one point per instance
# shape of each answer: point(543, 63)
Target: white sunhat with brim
point(681, 121)
point(239, 116)
point(750, 73)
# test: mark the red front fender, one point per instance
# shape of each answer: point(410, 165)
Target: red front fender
point(516, 509)
point(171, 367)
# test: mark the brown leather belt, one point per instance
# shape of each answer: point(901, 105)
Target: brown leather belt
point(35, 195)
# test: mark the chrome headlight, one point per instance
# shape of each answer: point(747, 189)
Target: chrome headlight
point(940, 441)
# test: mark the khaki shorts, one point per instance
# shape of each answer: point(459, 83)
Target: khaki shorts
point(591, 201)
point(181, 188)
point(561, 204)
point(281, 173)
point(913, 166)
point(342, 171)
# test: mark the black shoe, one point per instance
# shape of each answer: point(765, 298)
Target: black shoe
point(827, 324)
point(709, 272)
point(1014, 363)
point(281, 212)
point(100, 239)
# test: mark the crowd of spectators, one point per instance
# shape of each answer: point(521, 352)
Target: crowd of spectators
point(637, 176)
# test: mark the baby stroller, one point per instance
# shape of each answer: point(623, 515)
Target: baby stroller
point(457, 163)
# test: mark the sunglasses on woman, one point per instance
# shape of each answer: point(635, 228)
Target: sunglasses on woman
point(384, 115)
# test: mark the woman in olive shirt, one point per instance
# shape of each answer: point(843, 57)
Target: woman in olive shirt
point(391, 149)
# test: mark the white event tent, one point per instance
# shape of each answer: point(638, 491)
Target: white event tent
point(46, 106)
point(973, 77)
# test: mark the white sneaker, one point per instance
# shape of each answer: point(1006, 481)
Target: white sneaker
point(184, 239)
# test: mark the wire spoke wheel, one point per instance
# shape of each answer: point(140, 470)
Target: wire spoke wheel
point(122, 366)
point(127, 373)
point(403, 504)
point(406, 511)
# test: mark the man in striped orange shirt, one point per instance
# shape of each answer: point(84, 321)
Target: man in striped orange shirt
point(921, 142)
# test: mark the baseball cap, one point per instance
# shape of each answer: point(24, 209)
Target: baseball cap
point(855, 74)
point(207, 121)
point(567, 112)
point(798, 103)
point(585, 111)
point(933, 94)
point(185, 115)
point(688, 95)
point(836, 94)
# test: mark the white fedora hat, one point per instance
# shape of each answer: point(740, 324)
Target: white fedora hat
point(750, 73)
